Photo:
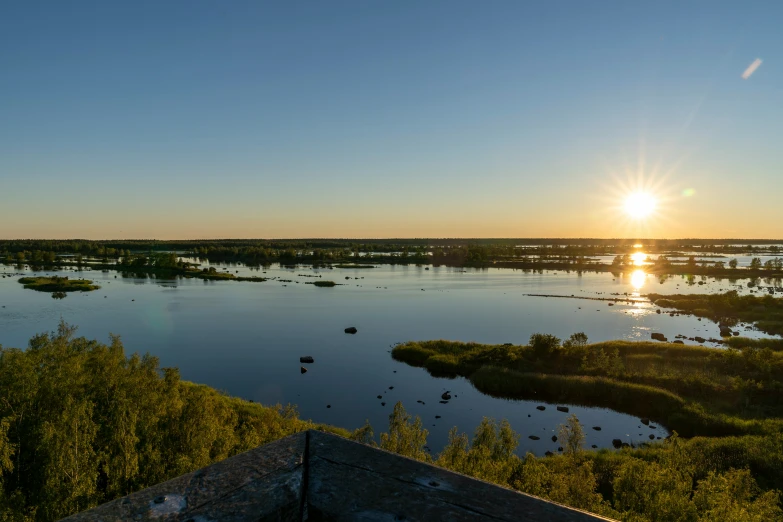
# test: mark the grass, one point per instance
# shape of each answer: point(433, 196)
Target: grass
point(729, 308)
point(693, 390)
point(324, 284)
point(58, 284)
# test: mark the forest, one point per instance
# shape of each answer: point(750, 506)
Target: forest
point(689, 257)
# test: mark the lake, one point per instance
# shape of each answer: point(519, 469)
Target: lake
point(246, 338)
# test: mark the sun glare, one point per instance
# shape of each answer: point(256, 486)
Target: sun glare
point(638, 258)
point(639, 205)
point(638, 277)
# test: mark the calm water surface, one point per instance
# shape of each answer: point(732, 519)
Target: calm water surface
point(246, 338)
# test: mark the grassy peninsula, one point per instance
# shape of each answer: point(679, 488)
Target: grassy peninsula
point(728, 308)
point(58, 284)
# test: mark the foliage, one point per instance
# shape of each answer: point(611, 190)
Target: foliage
point(81, 424)
point(58, 284)
point(406, 435)
point(728, 308)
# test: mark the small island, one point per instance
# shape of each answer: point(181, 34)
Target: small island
point(58, 284)
point(325, 284)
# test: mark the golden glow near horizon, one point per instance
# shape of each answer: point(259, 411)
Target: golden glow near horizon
point(639, 205)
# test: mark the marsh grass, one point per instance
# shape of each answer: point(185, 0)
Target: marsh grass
point(58, 284)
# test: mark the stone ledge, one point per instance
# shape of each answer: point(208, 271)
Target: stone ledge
point(317, 476)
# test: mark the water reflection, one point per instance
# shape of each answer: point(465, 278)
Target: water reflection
point(638, 277)
point(638, 258)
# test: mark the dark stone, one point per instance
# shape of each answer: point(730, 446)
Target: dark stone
point(597, 428)
point(593, 446)
point(658, 337)
point(444, 402)
point(351, 330)
point(533, 437)
point(445, 396)
point(678, 342)
point(541, 408)
point(645, 421)
point(328, 405)
point(554, 438)
point(391, 387)
point(563, 409)
point(380, 396)
point(652, 437)
point(302, 369)
point(306, 359)
point(725, 331)
point(699, 339)
point(560, 448)
point(617, 443)
point(548, 454)
point(652, 427)
point(383, 404)
point(437, 416)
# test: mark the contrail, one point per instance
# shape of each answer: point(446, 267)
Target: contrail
point(751, 68)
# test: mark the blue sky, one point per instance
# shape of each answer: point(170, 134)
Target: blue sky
point(186, 119)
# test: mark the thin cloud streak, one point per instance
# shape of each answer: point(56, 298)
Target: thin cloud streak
point(751, 68)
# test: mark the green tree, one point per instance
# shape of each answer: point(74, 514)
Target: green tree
point(571, 436)
point(406, 435)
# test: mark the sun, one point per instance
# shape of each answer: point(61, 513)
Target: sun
point(639, 205)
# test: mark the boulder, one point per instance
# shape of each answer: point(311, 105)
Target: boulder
point(445, 396)
point(617, 443)
point(307, 359)
point(302, 369)
point(597, 428)
point(699, 339)
point(533, 437)
point(563, 409)
point(658, 337)
point(351, 330)
point(677, 342)
point(645, 421)
point(554, 438)
point(652, 437)
point(548, 453)
point(540, 408)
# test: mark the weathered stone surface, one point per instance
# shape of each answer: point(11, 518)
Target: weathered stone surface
point(261, 484)
point(321, 477)
point(350, 481)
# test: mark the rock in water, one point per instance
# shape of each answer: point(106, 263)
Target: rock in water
point(541, 408)
point(445, 396)
point(563, 409)
point(617, 443)
point(302, 369)
point(307, 359)
point(351, 330)
point(658, 337)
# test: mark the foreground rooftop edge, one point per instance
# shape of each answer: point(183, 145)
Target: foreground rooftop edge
point(318, 476)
